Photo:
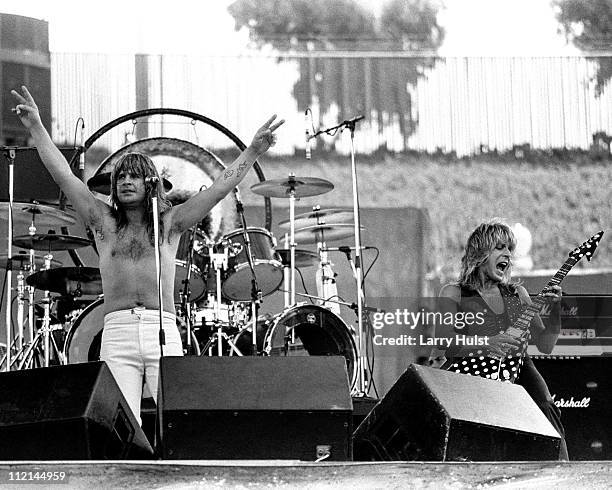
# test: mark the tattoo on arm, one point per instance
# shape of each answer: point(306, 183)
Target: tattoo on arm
point(241, 168)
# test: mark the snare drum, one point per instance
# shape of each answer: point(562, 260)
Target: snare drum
point(85, 336)
point(318, 332)
point(199, 266)
point(267, 264)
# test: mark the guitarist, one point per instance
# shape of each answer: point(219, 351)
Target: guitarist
point(485, 288)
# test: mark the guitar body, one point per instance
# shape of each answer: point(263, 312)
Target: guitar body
point(506, 369)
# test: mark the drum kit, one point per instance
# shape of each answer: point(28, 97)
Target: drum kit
point(219, 287)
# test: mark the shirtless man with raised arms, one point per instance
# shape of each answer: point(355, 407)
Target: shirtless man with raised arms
point(123, 234)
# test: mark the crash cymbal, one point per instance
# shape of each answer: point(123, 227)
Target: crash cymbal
point(320, 217)
point(304, 187)
point(324, 233)
point(43, 214)
point(303, 258)
point(72, 281)
point(102, 183)
point(22, 261)
point(50, 241)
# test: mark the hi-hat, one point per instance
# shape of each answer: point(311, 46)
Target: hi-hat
point(303, 258)
point(42, 214)
point(303, 187)
point(51, 241)
point(23, 261)
point(72, 281)
point(324, 233)
point(102, 183)
point(319, 217)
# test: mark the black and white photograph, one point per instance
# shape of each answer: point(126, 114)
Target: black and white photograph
point(306, 244)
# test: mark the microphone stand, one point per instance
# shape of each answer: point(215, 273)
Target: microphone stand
point(9, 153)
point(162, 338)
point(256, 295)
point(185, 304)
point(362, 383)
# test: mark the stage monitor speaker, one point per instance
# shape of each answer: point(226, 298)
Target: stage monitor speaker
point(255, 408)
point(435, 415)
point(582, 389)
point(67, 413)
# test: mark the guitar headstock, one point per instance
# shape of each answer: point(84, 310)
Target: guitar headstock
point(587, 248)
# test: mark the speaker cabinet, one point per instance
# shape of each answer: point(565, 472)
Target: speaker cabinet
point(255, 408)
point(67, 413)
point(582, 389)
point(435, 415)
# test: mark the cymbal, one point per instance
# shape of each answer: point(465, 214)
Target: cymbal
point(303, 186)
point(303, 258)
point(102, 183)
point(23, 261)
point(319, 217)
point(324, 233)
point(51, 241)
point(43, 214)
point(72, 281)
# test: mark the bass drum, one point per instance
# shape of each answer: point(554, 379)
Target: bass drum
point(85, 336)
point(318, 332)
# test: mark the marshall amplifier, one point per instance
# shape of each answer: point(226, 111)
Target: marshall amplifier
point(582, 389)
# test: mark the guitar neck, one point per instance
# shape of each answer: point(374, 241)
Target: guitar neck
point(524, 321)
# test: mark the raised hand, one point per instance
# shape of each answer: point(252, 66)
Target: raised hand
point(26, 108)
point(264, 137)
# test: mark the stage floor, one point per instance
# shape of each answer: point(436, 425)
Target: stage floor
point(291, 474)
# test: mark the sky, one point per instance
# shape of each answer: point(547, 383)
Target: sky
point(473, 27)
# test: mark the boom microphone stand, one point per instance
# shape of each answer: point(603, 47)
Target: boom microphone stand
point(256, 296)
point(362, 382)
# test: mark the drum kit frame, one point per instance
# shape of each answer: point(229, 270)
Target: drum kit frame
point(227, 267)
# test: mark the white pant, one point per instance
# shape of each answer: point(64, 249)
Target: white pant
point(130, 347)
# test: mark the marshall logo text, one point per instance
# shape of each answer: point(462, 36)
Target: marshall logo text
point(571, 403)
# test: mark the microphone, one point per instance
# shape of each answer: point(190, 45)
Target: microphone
point(353, 120)
point(151, 180)
point(82, 155)
point(307, 126)
point(343, 248)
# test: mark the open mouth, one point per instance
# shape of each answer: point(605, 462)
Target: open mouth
point(502, 265)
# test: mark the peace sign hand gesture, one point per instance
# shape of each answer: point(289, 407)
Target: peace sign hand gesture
point(264, 137)
point(26, 108)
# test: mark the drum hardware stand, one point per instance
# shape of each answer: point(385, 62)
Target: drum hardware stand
point(44, 335)
point(186, 292)
point(162, 338)
point(44, 332)
point(256, 295)
point(326, 279)
point(220, 262)
point(362, 375)
point(9, 153)
point(286, 269)
point(292, 245)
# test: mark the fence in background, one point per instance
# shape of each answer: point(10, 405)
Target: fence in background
point(460, 104)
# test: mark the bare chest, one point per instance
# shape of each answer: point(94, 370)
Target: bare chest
point(130, 246)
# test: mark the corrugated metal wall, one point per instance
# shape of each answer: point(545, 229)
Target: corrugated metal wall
point(459, 104)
